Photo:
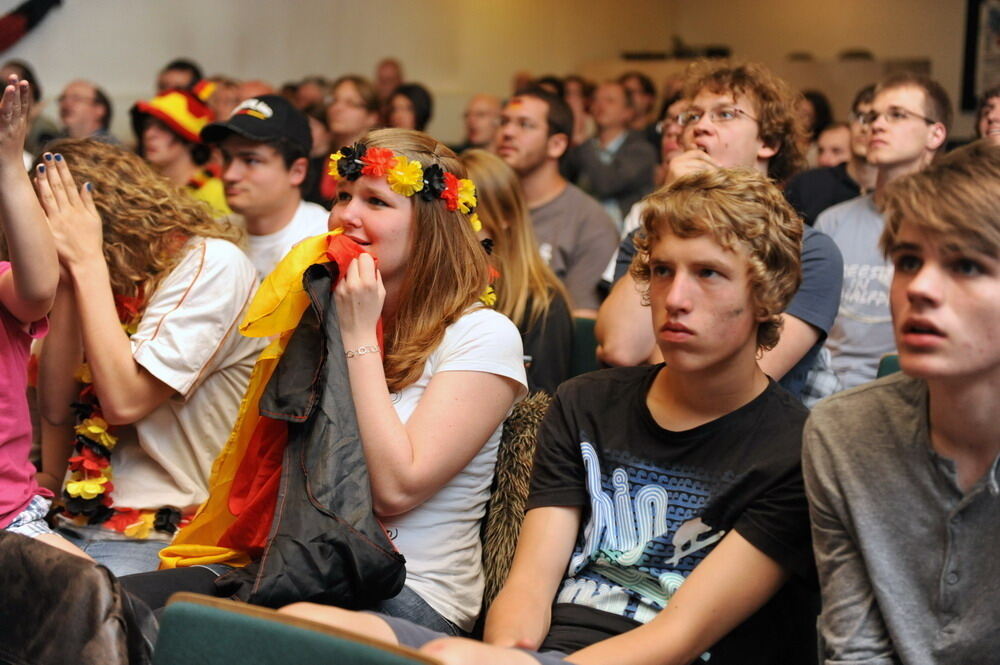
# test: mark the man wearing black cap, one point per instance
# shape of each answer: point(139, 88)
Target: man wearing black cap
point(265, 148)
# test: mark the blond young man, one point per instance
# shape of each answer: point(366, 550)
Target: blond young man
point(903, 473)
point(667, 518)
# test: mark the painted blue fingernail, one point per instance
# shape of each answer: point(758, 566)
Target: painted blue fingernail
point(90, 187)
point(41, 168)
point(58, 157)
point(48, 157)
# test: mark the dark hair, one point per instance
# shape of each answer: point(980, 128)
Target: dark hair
point(101, 99)
point(185, 65)
point(937, 105)
point(989, 94)
point(26, 73)
point(645, 82)
point(552, 80)
point(588, 87)
point(289, 150)
point(559, 117)
point(201, 154)
point(822, 112)
point(865, 96)
point(423, 103)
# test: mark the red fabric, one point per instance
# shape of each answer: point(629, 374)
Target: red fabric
point(254, 492)
point(12, 28)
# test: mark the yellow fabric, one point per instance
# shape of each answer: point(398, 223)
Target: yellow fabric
point(214, 194)
point(274, 311)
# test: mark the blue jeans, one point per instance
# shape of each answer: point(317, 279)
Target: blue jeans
point(121, 557)
point(410, 606)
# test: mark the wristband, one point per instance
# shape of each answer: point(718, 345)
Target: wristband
point(362, 350)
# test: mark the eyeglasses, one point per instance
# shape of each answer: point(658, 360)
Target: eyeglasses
point(893, 115)
point(718, 115)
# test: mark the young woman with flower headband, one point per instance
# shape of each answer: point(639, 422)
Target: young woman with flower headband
point(430, 398)
point(143, 345)
point(431, 410)
point(528, 292)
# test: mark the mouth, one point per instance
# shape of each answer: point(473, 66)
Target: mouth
point(363, 243)
point(916, 326)
point(675, 332)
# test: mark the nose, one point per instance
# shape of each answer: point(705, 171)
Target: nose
point(232, 171)
point(677, 299)
point(926, 286)
point(346, 215)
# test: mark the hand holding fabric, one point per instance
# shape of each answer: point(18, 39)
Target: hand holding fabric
point(360, 296)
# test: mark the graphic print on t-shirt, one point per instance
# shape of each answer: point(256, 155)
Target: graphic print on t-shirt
point(643, 536)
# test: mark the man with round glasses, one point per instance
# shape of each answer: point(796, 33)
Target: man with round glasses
point(907, 126)
point(739, 115)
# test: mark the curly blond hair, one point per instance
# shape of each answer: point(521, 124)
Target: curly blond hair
point(146, 217)
point(737, 207)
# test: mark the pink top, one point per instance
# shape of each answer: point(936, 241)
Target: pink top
point(17, 474)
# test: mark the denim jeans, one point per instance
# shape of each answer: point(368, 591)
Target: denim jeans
point(410, 606)
point(121, 557)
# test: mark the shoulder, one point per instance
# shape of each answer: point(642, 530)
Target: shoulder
point(585, 209)
point(813, 178)
point(212, 260)
point(312, 215)
point(853, 418)
point(819, 248)
point(830, 220)
point(482, 340)
point(604, 386)
point(638, 145)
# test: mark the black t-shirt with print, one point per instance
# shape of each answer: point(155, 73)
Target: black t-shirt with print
point(656, 502)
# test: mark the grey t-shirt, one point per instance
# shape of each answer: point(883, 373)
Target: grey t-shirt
point(577, 239)
point(907, 562)
point(862, 333)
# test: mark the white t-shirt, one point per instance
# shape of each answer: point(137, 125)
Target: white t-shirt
point(310, 219)
point(189, 339)
point(440, 538)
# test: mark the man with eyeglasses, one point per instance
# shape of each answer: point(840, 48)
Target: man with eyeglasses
point(85, 112)
point(907, 126)
point(575, 235)
point(737, 116)
point(813, 191)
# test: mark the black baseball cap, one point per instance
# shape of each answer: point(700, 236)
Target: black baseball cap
point(263, 118)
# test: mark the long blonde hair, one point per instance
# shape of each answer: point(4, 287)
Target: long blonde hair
point(447, 270)
point(524, 277)
point(146, 217)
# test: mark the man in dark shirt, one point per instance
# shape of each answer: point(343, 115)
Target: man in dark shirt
point(667, 518)
point(815, 190)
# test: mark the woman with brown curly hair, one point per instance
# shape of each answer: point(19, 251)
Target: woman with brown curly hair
point(142, 374)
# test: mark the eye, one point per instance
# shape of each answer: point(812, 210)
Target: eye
point(660, 270)
point(907, 263)
point(343, 197)
point(967, 267)
point(726, 114)
point(706, 273)
point(898, 114)
point(376, 201)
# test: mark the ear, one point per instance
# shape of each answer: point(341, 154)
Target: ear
point(936, 136)
point(297, 171)
point(766, 152)
point(557, 145)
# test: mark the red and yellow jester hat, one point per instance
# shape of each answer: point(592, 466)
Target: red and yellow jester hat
point(182, 111)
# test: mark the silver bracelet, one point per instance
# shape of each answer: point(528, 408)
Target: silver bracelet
point(362, 350)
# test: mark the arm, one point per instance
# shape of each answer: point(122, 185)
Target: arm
point(29, 288)
point(521, 613)
point(126, 390)
point(851, 623)
point(797, 337)
point(409, 462)
point(624, 327)
point(61, 353)
point(732, 583)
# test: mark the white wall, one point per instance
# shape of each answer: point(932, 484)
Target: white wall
point(459, 47)
point(455, 47)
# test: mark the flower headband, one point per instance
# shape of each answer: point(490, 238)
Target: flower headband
point(407, 177)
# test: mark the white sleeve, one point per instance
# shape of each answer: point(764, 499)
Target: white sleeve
point(193, 313)
point(484, 341)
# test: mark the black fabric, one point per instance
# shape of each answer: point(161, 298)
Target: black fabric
point(656, 503)
point(57, 608)
point(325, 543)
point(155, 587)
point(548, 347)
point(813, 191)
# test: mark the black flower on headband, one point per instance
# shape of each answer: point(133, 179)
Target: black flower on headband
point(434, 183)
point(349, 165)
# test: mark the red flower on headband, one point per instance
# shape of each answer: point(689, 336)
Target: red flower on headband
point(377, 162)
point(88, 460)
point(450, 193)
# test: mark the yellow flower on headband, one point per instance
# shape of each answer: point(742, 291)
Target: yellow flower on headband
point(477, 225)
point(96, 429)
point(466, 195)
point(87, 488)
point(334, 158)
point(489, 297)
point(406, 177)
